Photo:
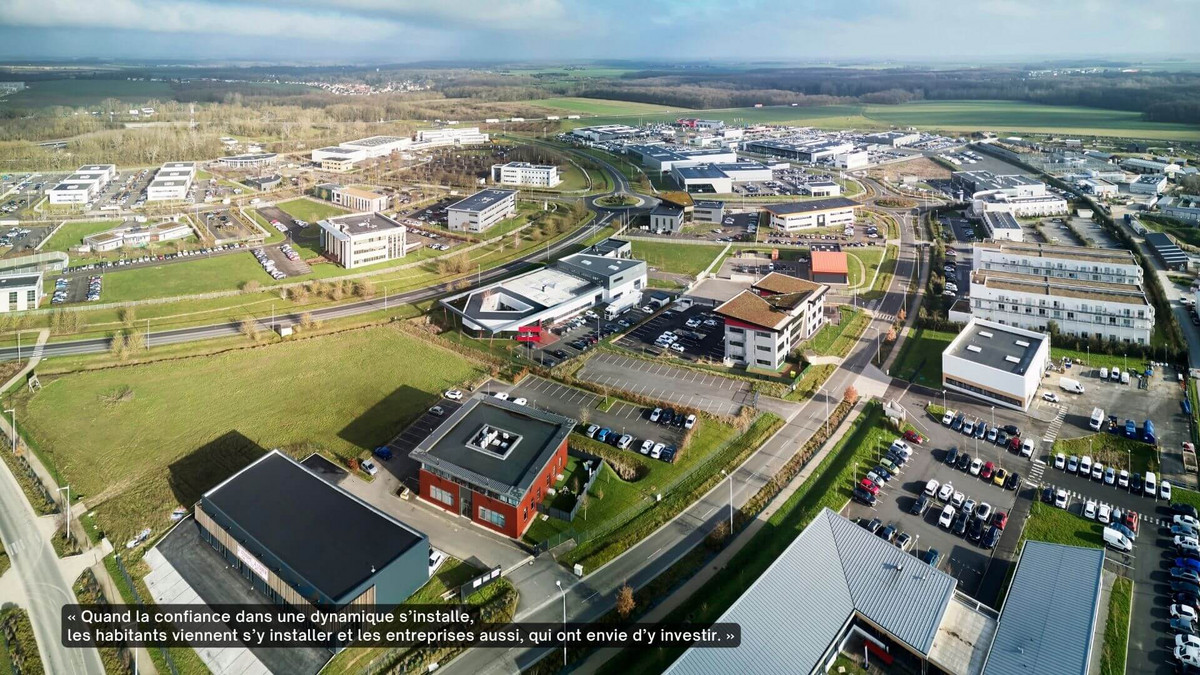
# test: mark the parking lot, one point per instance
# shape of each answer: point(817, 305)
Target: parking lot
point(22, 240)
point(698, 334)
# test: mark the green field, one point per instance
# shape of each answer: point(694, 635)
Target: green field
point(689, 259)
point(597, 106)
point(1111, 450)
point(1116, 628)
point(185, 424)
point(309, 210)
point(85, 92)
point(203, 275)
point(72, 234)
point(920, 359)
point(837, 340)
point(1047, 523)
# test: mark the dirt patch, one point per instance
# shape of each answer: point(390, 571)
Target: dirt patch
point(923, 168)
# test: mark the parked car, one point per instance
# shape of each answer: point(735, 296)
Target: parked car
point(951, 456)
point(946, 519)
point(931, 557)
point(368, 467)
point(863, 496)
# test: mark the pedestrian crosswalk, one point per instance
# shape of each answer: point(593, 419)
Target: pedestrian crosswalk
point(1036, 468)
point(890, 318)
point(1055, 425)
point(37, 352)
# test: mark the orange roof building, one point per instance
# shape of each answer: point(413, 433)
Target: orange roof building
point(829, 267)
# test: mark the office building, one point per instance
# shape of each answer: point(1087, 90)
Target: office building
point(1002, 226)
point(1080, 308)
point(84, 185)
point(852, 160)
point(1181, 207)
point(663, 159)
point(136, 236)
point(304, 542)
point(838, 583)
point(800, 149)
point(1110, 265)
point(336, 158)
point(427, 139)
point(1098, 187)
point(248, 161)
point(569, 286)
point(793, 216)
point(1022, 196)
point(1148, 184)
point(719, 178)
point(997, 363)
point(355, 199)
point(526, 174)
point(481, 210)
point(362, 239)
point(378, 146)
point(708, 211)
point(666, 218)
point(822, 188)
point(893, 139)
point(493, 461)
point(767, 322)
point(605, 132)
point(172, 182)
point(19, 292)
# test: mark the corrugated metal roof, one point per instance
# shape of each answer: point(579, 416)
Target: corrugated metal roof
point(1049, 616)
point(800, 605)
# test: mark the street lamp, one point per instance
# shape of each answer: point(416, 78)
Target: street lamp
point(68, 525)
point(823, 391)
point(723, 472)
point(993, 417)
point(14, 429)
point(558, 582)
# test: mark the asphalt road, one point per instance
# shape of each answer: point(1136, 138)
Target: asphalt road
point(46, 591)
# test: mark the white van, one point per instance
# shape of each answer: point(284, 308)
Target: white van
point(1085, 466)
point(1125, 377)
point(1151, 487)
point(1117, 540)
point(1097, 419)
point(1104, 376)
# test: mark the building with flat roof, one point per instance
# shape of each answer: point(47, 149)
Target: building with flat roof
point(822, 188)
point(604, 132)
point(378, 146)
point(1019, 195)
point(302, 541)
point(492, 462)
point(172, 182)
point(361, 239)
point(708, 211)
point(1138, 165)
point(335, 158)
point(1050, 618)
point(793, 216)
point(1148, 184)
point(838, 584)
point(19, 292)
point(666, 218)
point(481, 210)
point(1112, 265)
point(547, 295)
point(611, 248)
point(249, 160)
point(1182, 207)
point(769, 320)
point(829, 267)
point(995, 362)
point(1167, 251)
point(800, 149)
point(84, 185)
point(526, 174)
point(136, 235)
point(719, 178)
point(1002, 226)
point(1086, 309)
point(664, 158)
point(427, 139)
point(355, 199)
point(894, 139)
point(1098, 187)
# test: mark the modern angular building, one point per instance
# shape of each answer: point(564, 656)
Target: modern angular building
point(362, 239)
point(793, 216)
point(172, 182)
point(481, 210)
point(526, 174)
point(765, 323)
point(996, 363)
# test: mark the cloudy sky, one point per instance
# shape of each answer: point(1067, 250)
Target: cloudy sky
point(394, 31)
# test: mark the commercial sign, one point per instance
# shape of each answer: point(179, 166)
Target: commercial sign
point(252, 562)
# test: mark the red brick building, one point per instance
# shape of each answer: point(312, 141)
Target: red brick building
point(492, 461)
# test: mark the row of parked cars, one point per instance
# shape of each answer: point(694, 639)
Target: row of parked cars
point(1007, 436)
point(60, 291)
point(268, 265)
point(1136, 483)
point(287, 250)
point(898, 454)
point(650, 448)
point(1184, 595)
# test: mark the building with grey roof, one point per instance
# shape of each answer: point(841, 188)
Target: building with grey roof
point(481, 210)
point(1049, 619)
point(360, 239)
point(19, 292)
point(1183, 207)
point(997, 363)
point(1167, 251)
point(1002, 226)
point(836, 582)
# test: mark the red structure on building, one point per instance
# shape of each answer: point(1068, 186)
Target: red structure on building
point(492, 461)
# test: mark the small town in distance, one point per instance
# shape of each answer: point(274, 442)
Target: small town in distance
point(535, 338)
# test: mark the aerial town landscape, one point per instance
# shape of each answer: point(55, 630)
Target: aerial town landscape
point(559, 337)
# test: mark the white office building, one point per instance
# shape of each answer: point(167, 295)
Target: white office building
point(894, 139)
point(172, 182)
point(135, 236)
point(481, 210)
point(361, 239)
point(1115, 266)
point(662, 158)
point(19, 292)
point(852, 160)
point(84, 185)
point(769, 321)
point(427, 139)
point(1098, 187)
point(1002, 226)
point(1022, 196)
point(822, 188)
point(526, 174)
point(378, 146)
point(1081, 308)
point(794, 216)
point(801, 149)
point(999, 364)
point(336, 158)
point(603, 132)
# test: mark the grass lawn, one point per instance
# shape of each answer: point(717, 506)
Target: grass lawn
point(1116, 630)
point(598, 106)
point(920, 359)
point(1095, 360)
point(689, 259)
point(309, 210)
point(1047, 523)
point(72, 234)
point(837, 340)
point(1112, 450)
point(202, 275)
point(863, 273)
point(186, 424)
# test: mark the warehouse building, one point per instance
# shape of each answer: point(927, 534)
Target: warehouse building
point(526, 174)
point(172, 182)
point(19, 292)
point(1167, 251)
point(1182, 207)
point(427, 139)
point(1111, 265)
point(893, 139)
point(708, 211)
point(304, 542)
point(547, 295)
point(852, 160)
point(355, 199)
point(1137, 165)
point(263, 183)
point(481, 210)
point(493, 461)
point(136, 236)
point(997, 363)
point(769, 320)
point(362, 239)
point(378, 146)
point(604, 132)
point(1002, 226)
point(248, 161)
point(800, 149)
point(838, 587)
point(1098, 187)
point(82, 186)
point(793, 216)
point(1148, 184)
point(1050, 621)
point(663, 159)
point(1085, 309)
point(822, 188)
point(336, 158)
point(829, 267)
point(719, 178)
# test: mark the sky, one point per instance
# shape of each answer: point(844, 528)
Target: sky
point(399, 31)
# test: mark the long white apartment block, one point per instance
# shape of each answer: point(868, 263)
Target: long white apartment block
point(1116, 266)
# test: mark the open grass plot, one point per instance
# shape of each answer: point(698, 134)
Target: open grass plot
point(598, 106)
point(202, 275)
point(72, 234)
point(920, 359)
point(309, 210)
point(1112, 450)
point(675, 258)
point(135, 442)
point(1047, 523)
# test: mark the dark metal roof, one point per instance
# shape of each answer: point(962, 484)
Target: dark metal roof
point(995, 346)
point(21, 281)
point(813, 205)
point(326, 535)
point(481, 200)
point(1049, 617)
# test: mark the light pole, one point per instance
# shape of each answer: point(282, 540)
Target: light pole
point(14, 429)
point(730, 500)
point(993, 417)
point(385, 298)
point(944, 406)
point(67, 527)
point(823, 391)
point(558, 582)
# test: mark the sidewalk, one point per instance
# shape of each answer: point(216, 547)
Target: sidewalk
point(6, 422)
point(597, 659)
point(911, 313)
point(109, 587)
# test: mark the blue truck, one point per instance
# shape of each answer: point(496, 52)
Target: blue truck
point(1148, 433)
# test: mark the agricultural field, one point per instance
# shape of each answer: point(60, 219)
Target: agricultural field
point(309, 210)
point(596, 106)
point(40, 94)
point(676, 258)
point(72, 234)
point(137, 441)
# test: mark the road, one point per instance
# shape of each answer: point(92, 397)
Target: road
point(590, 597)
point(46, 591)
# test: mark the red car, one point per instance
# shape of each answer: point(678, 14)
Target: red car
point(1014, 444)
point(914, 437)
point(869, 486)
point(986, 473)
point(1130, 519)
point(1000, 519)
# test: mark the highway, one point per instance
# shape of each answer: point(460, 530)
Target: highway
point(589, 598)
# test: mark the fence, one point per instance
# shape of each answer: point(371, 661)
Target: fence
point(569, 516)
point(137, 597)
